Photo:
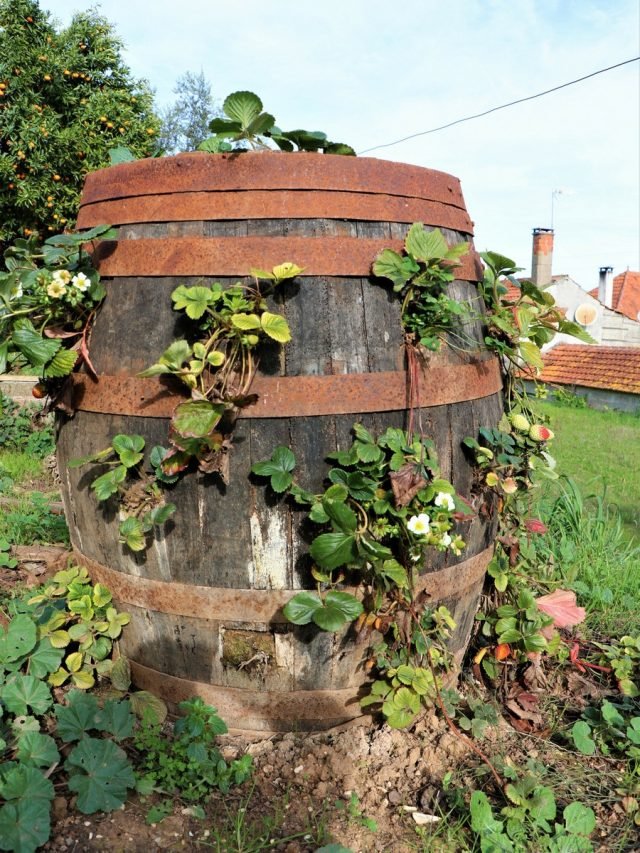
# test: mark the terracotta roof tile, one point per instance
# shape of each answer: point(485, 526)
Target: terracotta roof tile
point(612, 368)
point(626, 294)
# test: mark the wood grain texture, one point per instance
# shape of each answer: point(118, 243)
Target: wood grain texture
point(242, 536)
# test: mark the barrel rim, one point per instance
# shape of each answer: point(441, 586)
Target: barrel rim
point(251, 170)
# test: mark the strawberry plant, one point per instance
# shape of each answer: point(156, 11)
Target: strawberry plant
point(216, 365)
point(420, 277)
point(48, 298)
point(383, 507)
point(246, 125)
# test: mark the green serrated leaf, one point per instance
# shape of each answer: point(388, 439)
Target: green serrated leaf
point(61, 364)
point(35, 348)
point(147, 706)
point(194, 300)
point(100, 773)
point(425, 245)
point(331, 550)
point(116, 717)
point(276, 327)
point(37, 750)
point(245, 322)
point(77, 717)
point(301, 607)
point(197, 418)
point(21, 692)
point(342, 516)
point(120, 674)
point(107, 484)
point(243, 107)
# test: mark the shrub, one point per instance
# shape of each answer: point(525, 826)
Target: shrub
point(66, 99)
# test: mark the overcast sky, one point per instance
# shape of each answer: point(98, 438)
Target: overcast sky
point(368, 72)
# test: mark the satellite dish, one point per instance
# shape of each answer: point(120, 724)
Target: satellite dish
point(585, 314)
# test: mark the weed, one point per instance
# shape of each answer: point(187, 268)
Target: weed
point(16, 466)
point(245, 829)
point(586, 549)
point(31, 521)
point(188, 763)
point(25, 429)
point(353, 812)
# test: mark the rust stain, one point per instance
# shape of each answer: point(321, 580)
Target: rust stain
point(309, 710)
point(199, 171)
point(274, 204)
point(257, 605)
point(229, 256)
point(300, 396)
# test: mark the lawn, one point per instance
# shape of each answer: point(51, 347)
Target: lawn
point(601, 452)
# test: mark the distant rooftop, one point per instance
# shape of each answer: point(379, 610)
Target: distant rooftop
point(611, 368)
point(626, 294)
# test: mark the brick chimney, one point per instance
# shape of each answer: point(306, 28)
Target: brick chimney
point(542, 256)
point(605, 286)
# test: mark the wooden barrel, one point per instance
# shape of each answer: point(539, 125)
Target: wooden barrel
point(206, 598)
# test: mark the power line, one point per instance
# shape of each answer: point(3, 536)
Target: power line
point(501, 107)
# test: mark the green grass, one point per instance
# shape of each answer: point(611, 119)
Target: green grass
point(30, 521)
point(601, 452)
point(593, 514)
point(586, 550)
point(20, 466)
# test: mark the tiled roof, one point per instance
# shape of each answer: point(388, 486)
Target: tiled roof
point(626, 294)
point(612, 368)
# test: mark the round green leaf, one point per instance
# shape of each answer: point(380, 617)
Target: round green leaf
point(579, 819)
point(301, 608)
point(276, 327)
point(19, 639)
point(100, 773)
point(331, 550)
point(242, 107)
point(22, 692)
point(37, 750)
point(25, 825)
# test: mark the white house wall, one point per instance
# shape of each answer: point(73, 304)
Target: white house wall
point(610, 328)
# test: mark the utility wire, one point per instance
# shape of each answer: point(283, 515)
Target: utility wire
point(501, 107)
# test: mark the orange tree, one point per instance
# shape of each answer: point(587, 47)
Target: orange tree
point(66, 99)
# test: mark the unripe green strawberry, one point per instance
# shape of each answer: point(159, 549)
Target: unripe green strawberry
point(520, 423)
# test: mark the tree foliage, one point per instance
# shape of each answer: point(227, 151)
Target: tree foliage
point(66, 98)
point(186, 123)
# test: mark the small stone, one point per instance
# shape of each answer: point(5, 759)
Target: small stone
point(423, 819)
point(299, 768)
point(394, 797)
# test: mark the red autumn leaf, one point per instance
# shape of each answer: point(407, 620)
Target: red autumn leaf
point(534, 525)
point(561, 606)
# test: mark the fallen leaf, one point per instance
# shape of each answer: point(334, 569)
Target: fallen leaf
point(561, 606)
